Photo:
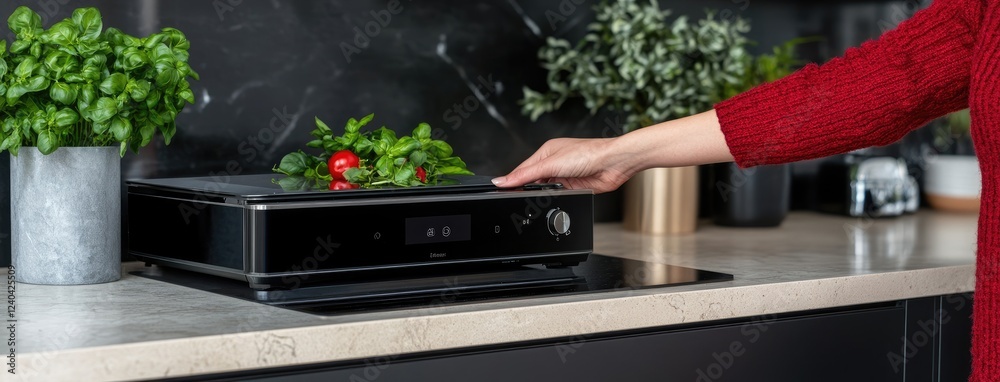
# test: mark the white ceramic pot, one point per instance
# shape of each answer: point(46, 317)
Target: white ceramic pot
point(66, 215)
point(953, 183)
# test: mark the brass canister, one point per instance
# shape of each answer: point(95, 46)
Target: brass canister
point(662, 201)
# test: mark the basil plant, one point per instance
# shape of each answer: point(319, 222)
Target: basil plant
point(77, 84)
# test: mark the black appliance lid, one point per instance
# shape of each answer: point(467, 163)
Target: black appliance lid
point(271, 187)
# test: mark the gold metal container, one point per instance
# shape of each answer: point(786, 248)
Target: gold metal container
point(662, 201)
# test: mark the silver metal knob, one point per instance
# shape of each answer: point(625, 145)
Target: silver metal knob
point(558, 221)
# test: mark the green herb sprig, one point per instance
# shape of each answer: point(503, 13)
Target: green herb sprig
point(386, 160)
point(77, 84)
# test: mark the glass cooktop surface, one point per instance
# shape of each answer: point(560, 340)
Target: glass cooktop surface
point(414, 291)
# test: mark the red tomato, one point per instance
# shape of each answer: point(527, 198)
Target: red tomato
point(422, 174)
point(341, 161)
point(342, 185)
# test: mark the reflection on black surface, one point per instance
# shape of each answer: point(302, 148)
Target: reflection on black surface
point(598, 274)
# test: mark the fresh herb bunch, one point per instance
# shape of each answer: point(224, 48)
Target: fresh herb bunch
point(385, 159)
point(79, 85)
point(634, 61)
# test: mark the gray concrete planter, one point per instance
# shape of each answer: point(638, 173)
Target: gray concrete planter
point(66, 215)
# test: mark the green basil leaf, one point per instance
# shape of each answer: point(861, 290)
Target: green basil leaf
point(89, 21)
point(24, 22)
point(3, 66)
point(357, 175)
point(186, 95)
point(440, 149)
point(398, 162)
point(88, 94)
point(380, 147)
point(65, 117)
point(176, 39)
point(147, 131)
point(59, 62)
point(168, 77)
point(404, 147)
point(168, 130)
point(422, 132)
point(48, 142)
point(384, 166)
point(405, 175)
point(19, 46)
point(134, 59)
point(364, 120)
point(453, 161)
point(61, 33)
point(63, 93)
point(153, 98)
point(352, 126)
point(36, 49)
point(453, 170)
point(140, 90)
point(315, 143)
point(37, 83)
point(101, 127)
point(418, 157)
point(14, 93)
point(154, 39)
point(26, 67)
point(363, 146)
point(293, 164)
point(121, 128)
point(38, 122)
point(114, 84)
point(321, 128)
point(385, 135)
point(103, 109)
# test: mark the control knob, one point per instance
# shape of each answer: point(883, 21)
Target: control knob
point(558, 221)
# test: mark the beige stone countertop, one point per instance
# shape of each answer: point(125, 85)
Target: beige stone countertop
point(138, 328)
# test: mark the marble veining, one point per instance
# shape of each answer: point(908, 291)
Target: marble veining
point(141, 328)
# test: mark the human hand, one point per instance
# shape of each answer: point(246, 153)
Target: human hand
point(576, 163)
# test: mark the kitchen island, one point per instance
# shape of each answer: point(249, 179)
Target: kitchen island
point(838, 291)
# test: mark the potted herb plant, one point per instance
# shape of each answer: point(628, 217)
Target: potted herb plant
point(74, 98)
point(638, 61)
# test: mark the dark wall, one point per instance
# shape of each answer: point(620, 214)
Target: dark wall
point(268, 68)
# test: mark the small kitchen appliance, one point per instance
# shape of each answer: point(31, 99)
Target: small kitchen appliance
point(863, 186)
point(256, 229)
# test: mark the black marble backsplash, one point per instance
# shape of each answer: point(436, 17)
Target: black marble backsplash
point(269, 67)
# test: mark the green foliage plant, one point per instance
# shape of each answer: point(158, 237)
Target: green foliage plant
point(77, 84)
point(636, 61)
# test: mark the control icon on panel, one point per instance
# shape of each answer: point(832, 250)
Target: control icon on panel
point(446, 231)
point(378, 235)
point(430, 232)
point(496, 229)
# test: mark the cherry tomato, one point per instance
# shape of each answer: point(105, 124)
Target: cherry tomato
point(342, 185)
point(422, 174)
point(341, 161)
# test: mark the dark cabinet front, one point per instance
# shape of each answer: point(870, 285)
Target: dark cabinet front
point(914, 340)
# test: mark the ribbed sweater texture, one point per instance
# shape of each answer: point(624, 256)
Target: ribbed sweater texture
point(943, 59)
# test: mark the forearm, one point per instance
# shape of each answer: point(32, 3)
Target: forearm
point(688, 141)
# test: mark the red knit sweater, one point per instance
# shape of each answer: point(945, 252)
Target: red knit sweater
point(943, 59)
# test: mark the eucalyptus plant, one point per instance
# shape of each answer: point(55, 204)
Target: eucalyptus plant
point(77, 84)
point(636, 61)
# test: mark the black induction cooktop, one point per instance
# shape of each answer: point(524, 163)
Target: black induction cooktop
point(427, 290)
